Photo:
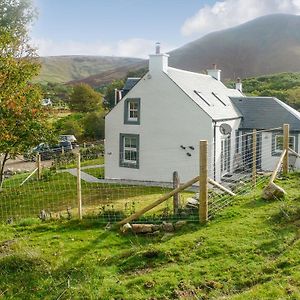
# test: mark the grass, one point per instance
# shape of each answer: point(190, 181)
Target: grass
point(57, 192)
point(249, 251)
point(96, 172)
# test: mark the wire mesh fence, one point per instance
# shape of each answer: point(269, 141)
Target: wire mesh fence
point(59, 187)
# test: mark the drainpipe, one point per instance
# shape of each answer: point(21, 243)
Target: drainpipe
point(215, 129)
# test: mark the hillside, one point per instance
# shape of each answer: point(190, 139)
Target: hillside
point(69, 68)
point(266, 45)
point(109, 76)
point(249, 251)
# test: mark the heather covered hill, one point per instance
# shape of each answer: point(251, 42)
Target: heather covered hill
point(68, 68)
point(266, 45)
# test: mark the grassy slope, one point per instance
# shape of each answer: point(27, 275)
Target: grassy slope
point(250, 251)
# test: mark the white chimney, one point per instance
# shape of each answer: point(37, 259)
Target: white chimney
point(239, 85)
point(214, 72)
point(158, 62)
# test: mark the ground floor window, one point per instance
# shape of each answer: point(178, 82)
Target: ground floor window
point(129, 150)
point(279, 143)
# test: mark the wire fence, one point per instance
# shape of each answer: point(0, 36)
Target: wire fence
point(59, 187)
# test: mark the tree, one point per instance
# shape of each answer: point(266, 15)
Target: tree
point(22, 119)
point(85, 99)
point(109, 96)
point(93, 125)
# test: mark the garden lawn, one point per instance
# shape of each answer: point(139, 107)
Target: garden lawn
point(250, 250)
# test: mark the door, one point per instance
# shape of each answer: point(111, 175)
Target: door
point(225, 155)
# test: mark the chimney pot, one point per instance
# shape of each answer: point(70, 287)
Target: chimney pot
point(239, 85)
point(157, 48)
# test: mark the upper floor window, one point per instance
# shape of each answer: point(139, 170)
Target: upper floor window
point(132, 110)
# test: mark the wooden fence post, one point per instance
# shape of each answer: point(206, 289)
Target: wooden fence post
point(254, 142)
point(39, 166)
point(176, 184)
point(203, 183)
point(285, 164)
point(79, 199)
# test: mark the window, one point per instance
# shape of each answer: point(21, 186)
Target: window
point(200, 95)
point(279, 143)
point(129, 150)
point(219, 98)
point(132, 111)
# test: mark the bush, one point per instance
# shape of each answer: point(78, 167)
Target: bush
point(92, 152)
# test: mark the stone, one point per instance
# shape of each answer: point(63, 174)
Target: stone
point(142, 228)
point(167, 227)
point(126, 228)
point(179, 224)
point(273, 191)
point(192, 203)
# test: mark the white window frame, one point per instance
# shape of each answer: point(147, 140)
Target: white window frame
point(133, 110)
point(130, 149)
point(291, 145)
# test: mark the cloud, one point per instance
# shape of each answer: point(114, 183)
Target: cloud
point(134, 47)
point(228, 13)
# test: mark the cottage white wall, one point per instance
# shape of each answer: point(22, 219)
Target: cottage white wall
point(269, 161)
point(168, 119)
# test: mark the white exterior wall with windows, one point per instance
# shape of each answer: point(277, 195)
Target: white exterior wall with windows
point(272, 149)
point(176, 109)
point(163, 106)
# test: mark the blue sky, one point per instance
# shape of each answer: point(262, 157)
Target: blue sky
point(131, 27)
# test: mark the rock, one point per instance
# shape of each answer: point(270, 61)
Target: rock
point(273, 191)
point(192, 203)
point(125, 228)
point(179, 224)
point(167, 227)
point(142, 228)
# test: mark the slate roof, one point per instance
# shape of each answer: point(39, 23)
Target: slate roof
point(266, 113)
point(130, 83)
point(208, 93)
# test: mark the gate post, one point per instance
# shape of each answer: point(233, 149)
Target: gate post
point(285, 163)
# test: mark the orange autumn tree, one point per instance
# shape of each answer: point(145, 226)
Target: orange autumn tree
point(22, 119)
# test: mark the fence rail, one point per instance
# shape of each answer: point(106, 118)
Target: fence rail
point(72, 184)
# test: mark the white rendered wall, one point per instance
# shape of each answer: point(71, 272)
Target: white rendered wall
point(268, 160)
point(169, 118)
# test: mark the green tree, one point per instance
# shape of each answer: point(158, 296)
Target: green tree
point(109, 96)
point(22, 119)
point(85, 99)
point(93, 125)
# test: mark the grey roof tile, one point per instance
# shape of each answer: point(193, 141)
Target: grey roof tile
point(266, 113)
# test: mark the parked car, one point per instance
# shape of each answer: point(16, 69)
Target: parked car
point(48, 151)
point(69, 138)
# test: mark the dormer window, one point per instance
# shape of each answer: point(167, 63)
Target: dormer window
point(132, 111)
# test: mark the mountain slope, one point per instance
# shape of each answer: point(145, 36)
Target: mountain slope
point(69, 68)
point(269, 44)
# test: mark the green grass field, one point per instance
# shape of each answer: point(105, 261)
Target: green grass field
point(57, 192)
point(250, 250)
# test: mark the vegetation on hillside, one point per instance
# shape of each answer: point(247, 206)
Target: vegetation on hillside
point(284, 86)
point(249, 251)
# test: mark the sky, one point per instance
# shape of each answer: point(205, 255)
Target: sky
point(130, 28)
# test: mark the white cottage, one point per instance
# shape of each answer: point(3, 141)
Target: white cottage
point(156, 127)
